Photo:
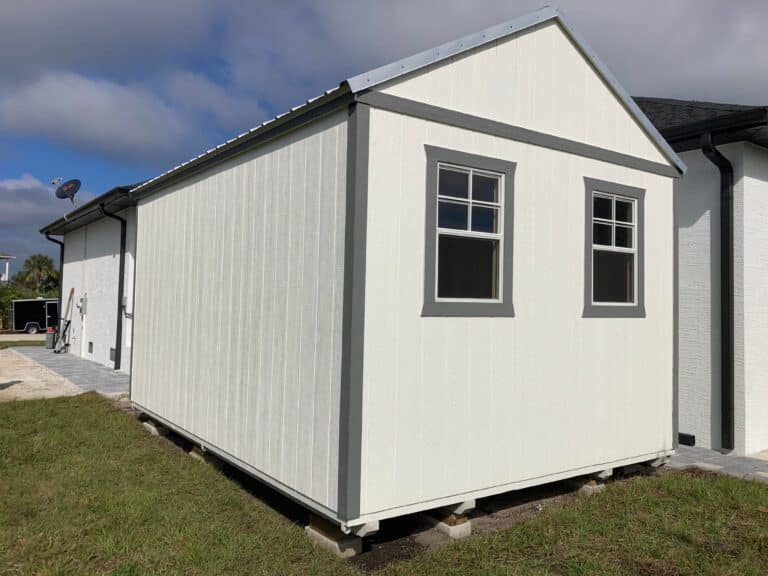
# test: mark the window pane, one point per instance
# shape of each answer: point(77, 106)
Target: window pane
point(623, 236)
point(485, 188)
point(467, 267)
point(453, 183)
point(485, 219)
point(452, 215)
point(613, 277)
point(623, 211)
point(601, 234)
point(602, 207)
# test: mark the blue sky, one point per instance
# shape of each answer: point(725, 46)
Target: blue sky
point(116, 92)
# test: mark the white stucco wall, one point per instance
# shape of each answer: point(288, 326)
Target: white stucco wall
point(755, 298)
point(91, 266)
point(699, 360)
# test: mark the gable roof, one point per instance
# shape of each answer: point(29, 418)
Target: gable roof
point(682, 122)
point(349, 88)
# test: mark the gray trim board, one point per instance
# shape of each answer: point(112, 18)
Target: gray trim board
point(675, 322)
point(353, 331)
point(432, 307)
point(511, 132)
point(613, 311)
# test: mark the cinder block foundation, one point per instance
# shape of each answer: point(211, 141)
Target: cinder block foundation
point(330, 537)
point(154, 428)
point(455, 526)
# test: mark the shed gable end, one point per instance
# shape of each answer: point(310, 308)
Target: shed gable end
point(537, 79)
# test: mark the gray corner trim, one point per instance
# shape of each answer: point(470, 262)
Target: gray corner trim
point(511, 132)
point(596, 310)
point(432, 307)
point(353, 327)
point(675, 322)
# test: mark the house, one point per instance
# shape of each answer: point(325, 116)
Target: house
point(97, 261)
point(722, 209)
point(5, 271)
point(449, 277)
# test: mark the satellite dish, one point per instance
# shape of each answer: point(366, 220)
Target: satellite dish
point(68, 189)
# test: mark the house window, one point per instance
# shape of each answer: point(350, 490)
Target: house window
point(613, 250)
point(468, 270)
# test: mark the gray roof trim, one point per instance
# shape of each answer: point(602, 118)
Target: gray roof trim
point(410, 64)
point(426, 58)
point(115, 199)
point(327, 102)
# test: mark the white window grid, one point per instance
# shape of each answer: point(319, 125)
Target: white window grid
point(469, 202)
point(613, 222)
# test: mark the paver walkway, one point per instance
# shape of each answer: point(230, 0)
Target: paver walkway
point(82, 373)
point(705, 459)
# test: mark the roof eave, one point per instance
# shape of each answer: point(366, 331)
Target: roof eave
point(70, 220)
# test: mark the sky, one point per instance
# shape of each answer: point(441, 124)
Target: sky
point(116, 92)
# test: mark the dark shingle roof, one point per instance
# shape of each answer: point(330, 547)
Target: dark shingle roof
point(682, 122)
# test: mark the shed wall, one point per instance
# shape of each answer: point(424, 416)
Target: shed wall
point(239, 290)
point(453, 406)
point(539, 80)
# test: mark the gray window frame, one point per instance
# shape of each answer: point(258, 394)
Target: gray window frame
point(497, 308)
point(636, 310)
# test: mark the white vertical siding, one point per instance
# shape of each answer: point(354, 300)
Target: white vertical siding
point(456, 405)
point(755, 311)
point(239, 303)
point(539, 80)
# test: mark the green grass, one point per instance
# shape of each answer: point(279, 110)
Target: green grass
point(85, 490)
point(16, 343)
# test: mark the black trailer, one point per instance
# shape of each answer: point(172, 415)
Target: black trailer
point(34, 314)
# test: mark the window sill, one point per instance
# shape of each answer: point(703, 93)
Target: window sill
point(597, 311)
point(492, 309)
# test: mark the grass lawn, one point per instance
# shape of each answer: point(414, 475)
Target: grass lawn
point(16, 343)
point(84, 489)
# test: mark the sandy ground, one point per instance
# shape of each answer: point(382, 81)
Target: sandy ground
point(24, 379)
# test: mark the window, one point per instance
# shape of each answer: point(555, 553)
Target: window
point(613, 250)
point(468, 264)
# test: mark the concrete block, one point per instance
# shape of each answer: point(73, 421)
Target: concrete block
point(330, 537)
point(366, 529)
point(591, 488)
point(206, 457)
point(604, 474)
point(454, 526)
point(155, 429)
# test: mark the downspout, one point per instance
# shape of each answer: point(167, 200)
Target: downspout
point(61, 269)
point(120, 289)
point(726, 290)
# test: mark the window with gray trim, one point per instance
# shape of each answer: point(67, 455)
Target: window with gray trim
point(468, 255)
point(613, 251)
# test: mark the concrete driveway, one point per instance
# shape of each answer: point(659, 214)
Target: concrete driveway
point(24, 379)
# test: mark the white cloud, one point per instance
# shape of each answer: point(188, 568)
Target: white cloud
point(196, 94)
point(98, 115)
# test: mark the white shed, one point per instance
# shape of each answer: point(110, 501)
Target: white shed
point(722, 209)
point(97, 254)
point(393, 295)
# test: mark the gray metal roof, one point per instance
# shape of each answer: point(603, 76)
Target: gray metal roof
point(377, 76)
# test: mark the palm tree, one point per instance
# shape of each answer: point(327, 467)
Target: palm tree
point(38, 270)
